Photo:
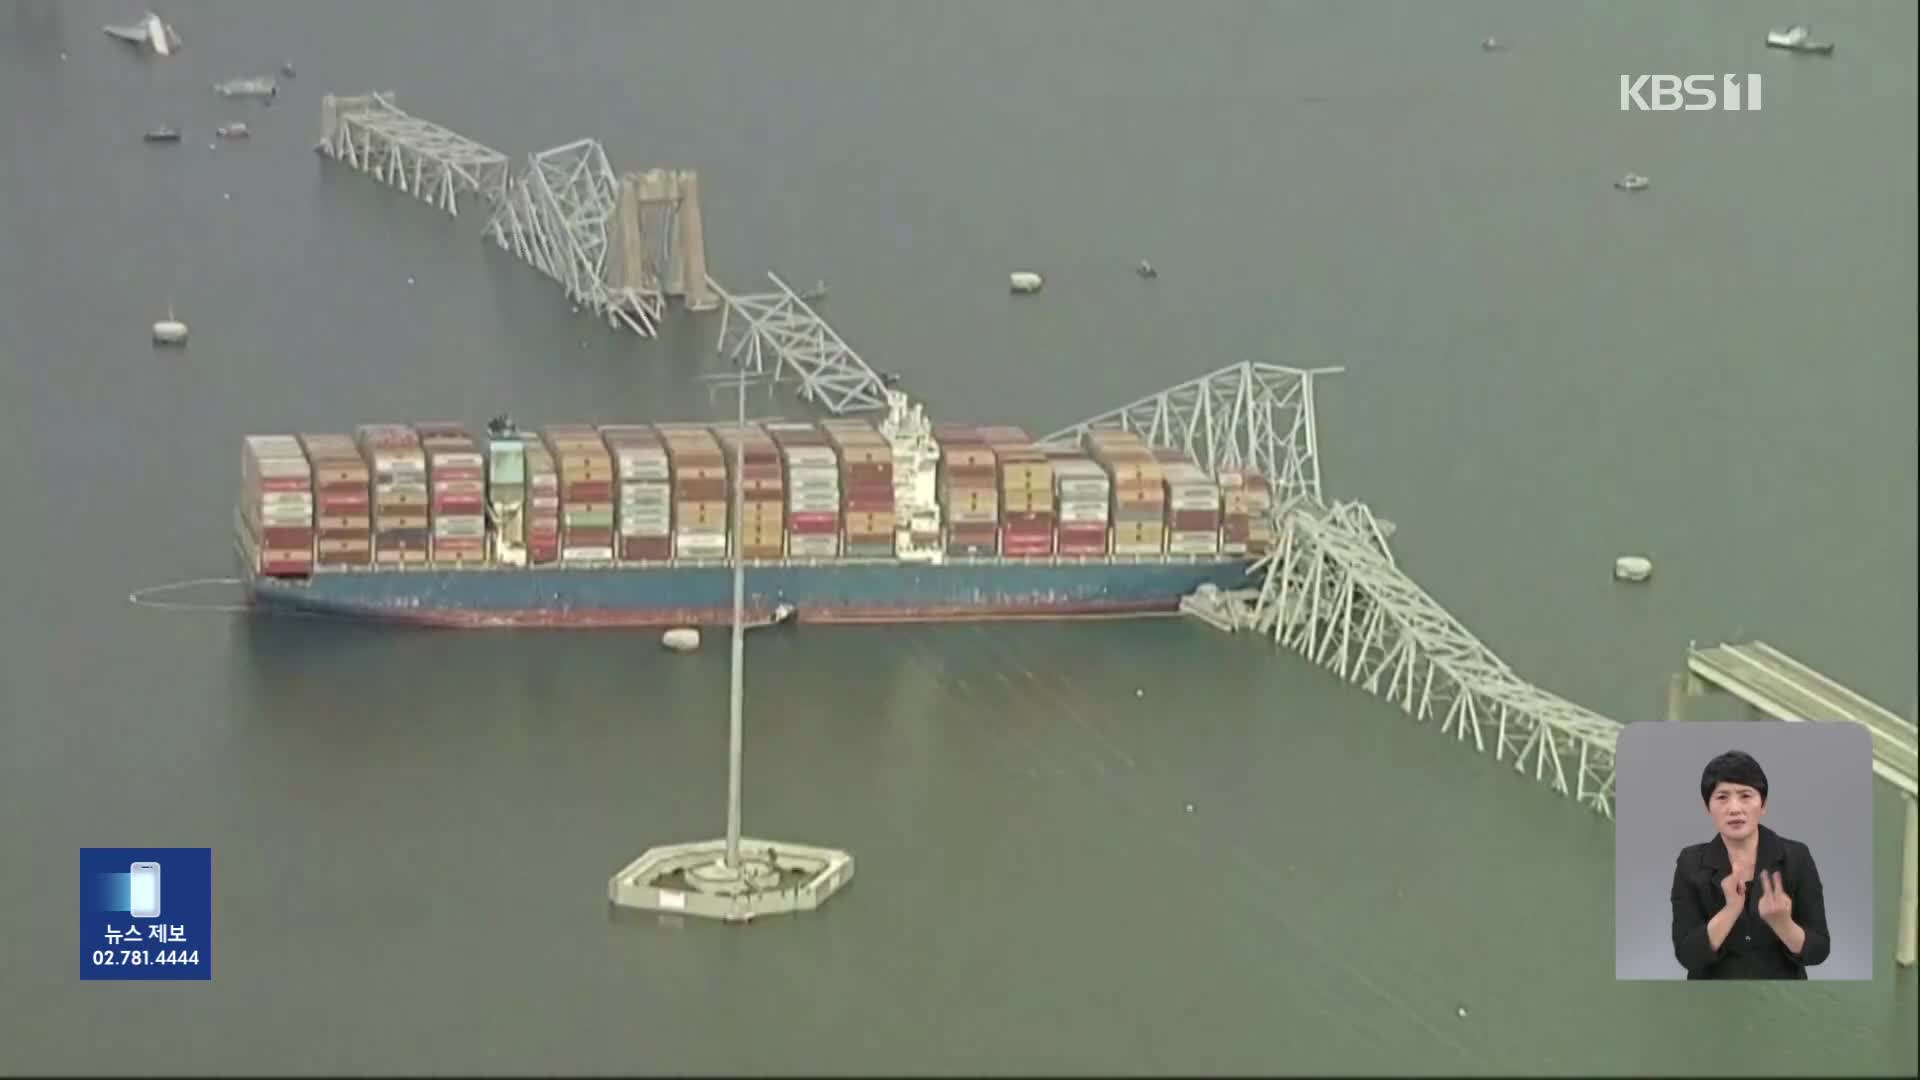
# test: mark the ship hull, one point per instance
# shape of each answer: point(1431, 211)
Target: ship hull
point(702, 595)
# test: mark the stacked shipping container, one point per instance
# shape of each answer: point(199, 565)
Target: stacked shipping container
point(1026, 493)
point(645, 504)
point(1245, 503)
point(969, 490)
point(700, 494)
point(401, 536)
point(762, 484)
point(457, 504)
point(543, 505)
point(813, 490)
point(1139, 499)
point(586, 492)
point(276, 506)
point(1193, 506)
point(866, 484)
point(395, 495)
point(342, 501)
point(1084, 493)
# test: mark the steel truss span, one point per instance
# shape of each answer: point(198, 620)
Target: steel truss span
point(1330, 590)
point(437, 166)
point(1256, 416)
point(778, 334)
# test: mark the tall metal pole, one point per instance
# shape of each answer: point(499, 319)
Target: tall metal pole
point(734, 738)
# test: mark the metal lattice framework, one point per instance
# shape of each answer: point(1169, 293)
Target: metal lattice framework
point(423, 159)
point(559, 216)
point(780, 330)
point(1257, 416)
point(1330, 591)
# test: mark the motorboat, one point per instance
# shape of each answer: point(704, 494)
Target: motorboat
point(1632, 182)
point(163, 135)
point(232, 131)
point(1798, 38)
point(1024, 281)
point(1146, 270)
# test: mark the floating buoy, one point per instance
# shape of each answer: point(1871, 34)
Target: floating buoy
point(681, 639)
point(1024, 281)
point(169, 331)
point(1632, 568)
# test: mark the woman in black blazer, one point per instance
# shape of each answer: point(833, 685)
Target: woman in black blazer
point(1746, 904)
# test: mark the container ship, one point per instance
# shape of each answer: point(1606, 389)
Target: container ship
point(625, 525)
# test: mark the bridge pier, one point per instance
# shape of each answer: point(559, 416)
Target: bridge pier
point(1909, 888)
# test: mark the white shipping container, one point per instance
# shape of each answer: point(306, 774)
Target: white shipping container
point(469, 488)
point(813, 546)
point(457, 459)
point(586, 554)
point(1083, 515)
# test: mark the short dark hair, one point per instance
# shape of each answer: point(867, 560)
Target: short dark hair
point(1733, 767)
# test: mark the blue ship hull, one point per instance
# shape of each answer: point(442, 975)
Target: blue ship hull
point(702, 594)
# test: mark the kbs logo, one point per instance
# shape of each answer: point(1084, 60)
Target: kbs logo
point(1693, 93)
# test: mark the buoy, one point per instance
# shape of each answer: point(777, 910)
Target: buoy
point(1024, 281)
point(169, 331)
point(1139, 693)
point(681, 639)
point(1632, 568)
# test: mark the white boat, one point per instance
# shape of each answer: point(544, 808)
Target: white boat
point(1024, 281)
point(1632, 182)
point(681, 639)
point(1798, 38)
point(170, 331)
point(256, 87)
point(232, 131)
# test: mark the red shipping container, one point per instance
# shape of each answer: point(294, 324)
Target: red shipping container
point(450, 474)
point(282, 483)
point(1195, 520)
point(812, 522)
point(344, 487)
point(456, 506)
point(587, 491)
point(1236, 530)
point(597, 536)
point(1010, 545)
point(538, 529)
point(867, 472)
point(653, 548)
point(286, 538)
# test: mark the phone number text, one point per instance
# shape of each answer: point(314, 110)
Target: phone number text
point(138, 957)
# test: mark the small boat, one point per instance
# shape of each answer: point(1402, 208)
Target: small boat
point(1024, 281)
point(681, 639)
point(1633, 568)
point(1632, 182)
point(1492, 44)
point(1798, 38)
point(262, 87)
point(1146, 270)
point(163, 134)
point(232, 131)
point(169, 331)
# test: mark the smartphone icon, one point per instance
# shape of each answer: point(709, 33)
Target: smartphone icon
point(143, 893)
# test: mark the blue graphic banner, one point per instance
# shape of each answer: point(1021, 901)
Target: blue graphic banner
point(146, 913)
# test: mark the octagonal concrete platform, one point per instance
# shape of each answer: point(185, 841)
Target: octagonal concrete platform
point(773, 878)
